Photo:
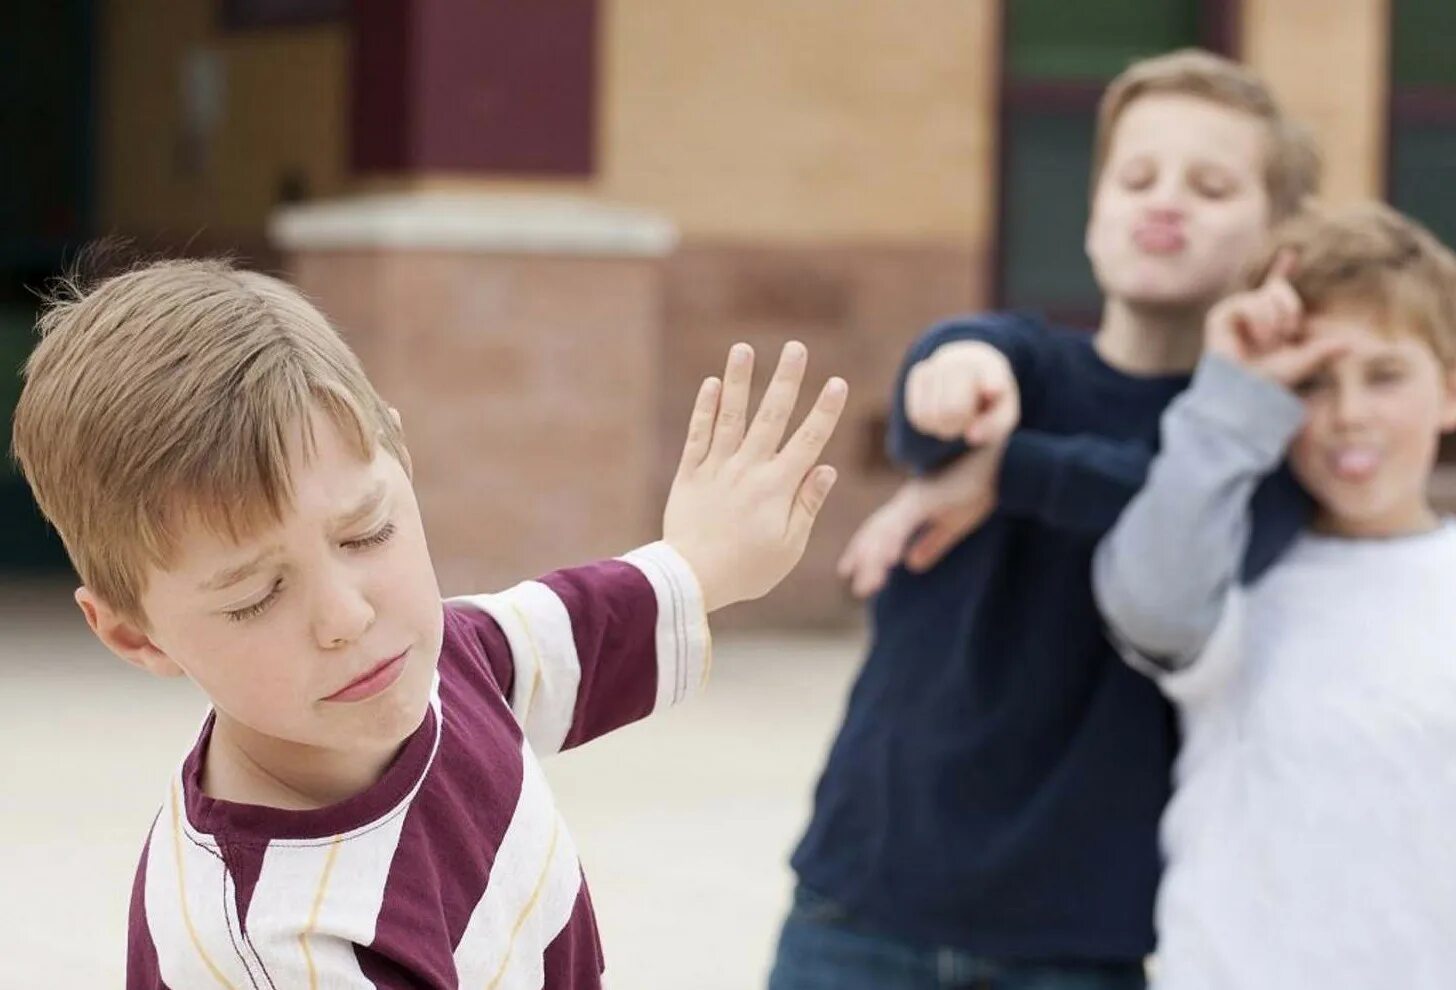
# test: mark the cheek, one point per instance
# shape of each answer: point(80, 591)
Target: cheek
point(246, 668)
point(1235, 234)
point(1108, 216)
point(1303, 457)
point(1415, 421)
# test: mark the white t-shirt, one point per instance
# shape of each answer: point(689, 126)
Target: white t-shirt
point(1311, 840)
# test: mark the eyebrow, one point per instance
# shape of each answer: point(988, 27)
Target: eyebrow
point(232, 575)
point(365, 508)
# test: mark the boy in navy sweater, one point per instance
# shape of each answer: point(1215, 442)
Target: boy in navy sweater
point(988, 814)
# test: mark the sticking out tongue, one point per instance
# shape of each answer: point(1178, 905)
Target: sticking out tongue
point(1355, 463)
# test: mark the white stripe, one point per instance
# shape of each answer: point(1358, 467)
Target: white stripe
point(684, 645)
point(543, 648)
point(533, 887)
point(326, 894)
point(196, 946)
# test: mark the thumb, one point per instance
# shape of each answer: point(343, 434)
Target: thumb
point(809, 500)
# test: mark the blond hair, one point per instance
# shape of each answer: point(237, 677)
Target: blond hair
point(174, 392)
point(1292, 163)
point(1373, 259)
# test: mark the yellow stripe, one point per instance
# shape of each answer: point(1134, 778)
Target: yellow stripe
point(182, 895)
point(707, 644)
point(535, 653)
point(318, 900)
point(530, 906)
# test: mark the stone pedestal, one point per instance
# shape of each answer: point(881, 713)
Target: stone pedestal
point(520, 339)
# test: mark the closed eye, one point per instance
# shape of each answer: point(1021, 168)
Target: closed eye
point(379, 537)
point(257, 608)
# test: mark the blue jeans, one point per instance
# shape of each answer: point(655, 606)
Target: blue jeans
point(822, 947)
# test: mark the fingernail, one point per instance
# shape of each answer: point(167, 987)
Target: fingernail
point(827, 478)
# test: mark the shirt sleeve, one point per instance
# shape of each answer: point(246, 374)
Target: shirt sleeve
point(1201, 682)
point(1019, 339)
point(1163, 575)
point(1077, 483)
point(586, 650)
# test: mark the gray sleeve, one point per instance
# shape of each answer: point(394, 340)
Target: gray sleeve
point(1162, 575)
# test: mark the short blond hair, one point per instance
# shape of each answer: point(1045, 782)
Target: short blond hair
point(1371, 258)
point(1292, 167)
point(174, 392)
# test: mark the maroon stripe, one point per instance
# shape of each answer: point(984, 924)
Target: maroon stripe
point(573, 960)
point(143, 972)
point(613, 613)
point(456, 822)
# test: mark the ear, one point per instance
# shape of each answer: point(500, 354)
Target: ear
point(1448, 401)
point(123, 636)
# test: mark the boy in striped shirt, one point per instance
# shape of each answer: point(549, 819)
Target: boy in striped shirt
point(363, 806)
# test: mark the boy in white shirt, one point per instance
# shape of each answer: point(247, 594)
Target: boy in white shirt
point(1311, 840)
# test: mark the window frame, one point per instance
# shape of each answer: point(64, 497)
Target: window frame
point(1219, 30)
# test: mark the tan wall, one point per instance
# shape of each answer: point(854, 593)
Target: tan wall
point(792, 119)
point(762, 120)
point(285, 109)
point(1326, 59)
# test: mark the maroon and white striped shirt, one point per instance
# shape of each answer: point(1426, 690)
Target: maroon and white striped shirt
point(454, 869)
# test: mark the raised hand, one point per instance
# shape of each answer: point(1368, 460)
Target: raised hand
point(1263, 329)
point(742, 506)
point(965, 391)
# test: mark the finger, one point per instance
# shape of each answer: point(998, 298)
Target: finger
point(939, 394)
point(807, 503)
point(1000, 416)
point(700, 425)
point(870, 566)
point(961, 399)
point(807, 444)
point(932, 544)
point(1294, 364)
point(849, 559)
point(767, 429)
point(997, 423)
point(859, 546)
point(1285, 264)
point(1255, 322)
point(1289, 305)
point(917, 387)
point(870, 577)
point(732, 403)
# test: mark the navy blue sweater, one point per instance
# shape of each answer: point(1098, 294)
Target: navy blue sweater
point(998, 780)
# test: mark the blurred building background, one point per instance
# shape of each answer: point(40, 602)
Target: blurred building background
point(541, 222)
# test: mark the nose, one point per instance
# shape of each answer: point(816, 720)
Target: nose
point(1164, 210)
point(1352, 405)
point(342, 611)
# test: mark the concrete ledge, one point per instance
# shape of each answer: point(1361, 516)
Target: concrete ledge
point(486, 223)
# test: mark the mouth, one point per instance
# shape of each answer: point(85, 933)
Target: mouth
point(1353, 464)
point(1159, 239)
point(376, 680)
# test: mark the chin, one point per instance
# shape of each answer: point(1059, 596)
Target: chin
point(1164, 292)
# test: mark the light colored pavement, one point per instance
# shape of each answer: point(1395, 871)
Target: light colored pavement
point(684, 822)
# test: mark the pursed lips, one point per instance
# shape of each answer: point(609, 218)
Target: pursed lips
point(382, 672)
